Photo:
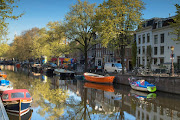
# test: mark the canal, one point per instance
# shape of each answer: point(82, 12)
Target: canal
point(57, 99)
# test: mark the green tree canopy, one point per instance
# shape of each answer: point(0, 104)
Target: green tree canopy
point(80, 22)
point(4, 48)
point(23, 44)
point(117, 19)
point(6, 12)
point(176, 23)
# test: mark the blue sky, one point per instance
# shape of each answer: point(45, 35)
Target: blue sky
point(39, 12)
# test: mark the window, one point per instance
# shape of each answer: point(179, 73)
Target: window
point(5, 96)
point(28, 95)
point(143, 61)
point(143, 38)
point(155, 61)
point(139, 50)
point(155, 39)
point(162, 50)
point(127, 52)
point(139, 38)
point(162, 38)
point(161, 60)
point(155, 50)
point(159, 24)
point(148, 38)
point(17, 95)
point(143, 49)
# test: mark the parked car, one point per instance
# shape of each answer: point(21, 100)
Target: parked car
point(113, 67)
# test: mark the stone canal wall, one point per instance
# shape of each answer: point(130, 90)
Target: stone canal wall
point(165, 84)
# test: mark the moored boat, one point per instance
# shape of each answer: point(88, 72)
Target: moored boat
point(3, 74)
point(16, 101)
point(142, 85)
point(64, 73)
point(98, 78)
point(5, 85)
point(104, 87)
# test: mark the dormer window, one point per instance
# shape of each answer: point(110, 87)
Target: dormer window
point(159, 24)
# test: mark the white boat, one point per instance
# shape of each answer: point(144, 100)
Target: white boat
point(142, 85)
point(64, 72)
point(5, 85)
point(4, 88)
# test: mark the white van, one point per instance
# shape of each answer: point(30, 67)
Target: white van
point(112, 67)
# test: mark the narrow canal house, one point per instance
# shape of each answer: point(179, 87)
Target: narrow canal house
point(100, 55)
point(154, 41)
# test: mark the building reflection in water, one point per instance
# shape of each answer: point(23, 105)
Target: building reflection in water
point(130, 103)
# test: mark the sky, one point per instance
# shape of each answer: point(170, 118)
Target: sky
point(37, 13)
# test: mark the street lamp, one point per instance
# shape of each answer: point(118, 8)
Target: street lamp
point(172, 57)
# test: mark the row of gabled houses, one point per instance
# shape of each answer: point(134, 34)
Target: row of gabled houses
point(154, 42)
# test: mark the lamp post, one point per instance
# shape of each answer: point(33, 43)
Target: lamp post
point(172, 57)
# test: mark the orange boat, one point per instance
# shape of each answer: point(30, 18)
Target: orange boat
point(104, 87)
point(3, 74)
point(98, 78)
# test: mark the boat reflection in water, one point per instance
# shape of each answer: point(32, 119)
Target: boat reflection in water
point(26, 116)
point(142, 95)
point(104, 87)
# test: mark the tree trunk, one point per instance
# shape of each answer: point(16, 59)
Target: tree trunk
point(58, 61)
point(85, 55)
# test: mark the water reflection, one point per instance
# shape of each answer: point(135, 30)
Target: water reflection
point(26, 116)
point(103, 87)
point(142, 95)
point(56, 98)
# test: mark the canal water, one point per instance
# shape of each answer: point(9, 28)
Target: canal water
point(55, 98)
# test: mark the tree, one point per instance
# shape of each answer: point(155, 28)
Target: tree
point(80, 22)
point(56, 39)
point(23, 45)
point(117, 19)
point(176, 23)
point(4, 48)
point(134, 54)
point(6, 12)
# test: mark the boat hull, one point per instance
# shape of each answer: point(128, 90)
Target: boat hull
point(4, 88)
point(99, 79)
point(3, 75)
point(26, 116)
point(146, 89)
point(17, 107)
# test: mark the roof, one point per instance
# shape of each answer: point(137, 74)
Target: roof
point(15, 90)
point(154, 21)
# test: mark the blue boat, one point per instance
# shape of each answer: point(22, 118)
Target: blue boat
point(5, 85)
point(142, 85)
point(4, 82)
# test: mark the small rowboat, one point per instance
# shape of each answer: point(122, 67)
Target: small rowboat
point(103, 87)
point(98, 78)
point(142, 85)
point(16, 101)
